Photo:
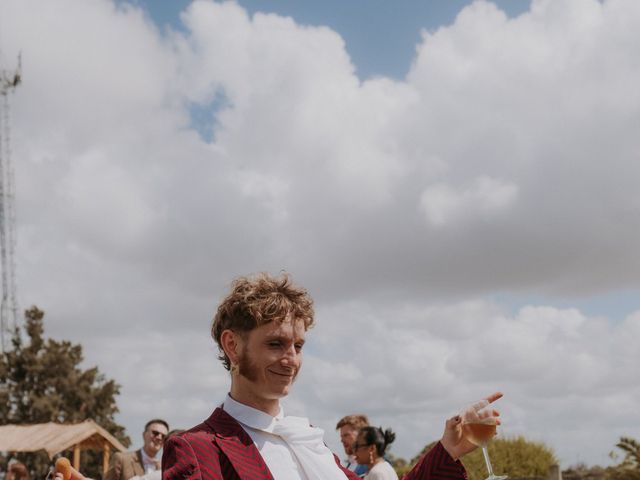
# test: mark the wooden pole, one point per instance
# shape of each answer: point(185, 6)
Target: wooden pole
point(76, 456)
point(105, 457)
point(554, 473)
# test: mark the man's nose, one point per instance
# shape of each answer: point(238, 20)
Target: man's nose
point(290, 356)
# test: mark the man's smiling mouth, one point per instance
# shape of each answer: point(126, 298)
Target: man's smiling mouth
point(285, 374)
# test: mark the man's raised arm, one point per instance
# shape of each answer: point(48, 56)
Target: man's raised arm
point(442, 462)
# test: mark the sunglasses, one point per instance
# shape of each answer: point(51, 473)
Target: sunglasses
point(156, 433)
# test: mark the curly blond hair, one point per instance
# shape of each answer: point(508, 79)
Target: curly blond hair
point(257, 300)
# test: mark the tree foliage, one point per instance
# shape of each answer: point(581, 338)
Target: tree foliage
point(399, 464)
point(629, 468)
point(583, 472)
point(522, 459)
point(631, 449)
point(41, 381)
point(516, 457)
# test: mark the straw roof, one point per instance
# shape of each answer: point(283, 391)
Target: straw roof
point(55, 437)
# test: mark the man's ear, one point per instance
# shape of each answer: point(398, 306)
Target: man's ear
point(232, 345)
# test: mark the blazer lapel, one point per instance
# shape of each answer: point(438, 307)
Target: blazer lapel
point(238, 447)
point(138, 465)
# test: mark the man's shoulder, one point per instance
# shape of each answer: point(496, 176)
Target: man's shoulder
point(195, 446)
point(200, 431)
point(219, 423)
point(218, 432)
point(126, 455)
point(122, 465)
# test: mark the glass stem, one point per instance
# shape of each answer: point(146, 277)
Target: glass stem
point(487, 461)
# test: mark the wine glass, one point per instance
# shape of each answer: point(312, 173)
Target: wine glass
point(479, 427)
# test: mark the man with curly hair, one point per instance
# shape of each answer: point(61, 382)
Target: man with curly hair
point(260, 330)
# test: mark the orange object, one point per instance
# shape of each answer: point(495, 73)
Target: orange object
point(63, 466)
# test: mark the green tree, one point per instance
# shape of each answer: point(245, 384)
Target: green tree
point(631, 449)
point(399, 464)
point(516, 457)
point(629, 468)
point(41, 380)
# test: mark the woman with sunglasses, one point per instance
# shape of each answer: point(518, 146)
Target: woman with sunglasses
point(369, 449)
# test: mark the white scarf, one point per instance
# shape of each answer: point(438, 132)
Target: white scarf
point(306, 442)
point(308, 445)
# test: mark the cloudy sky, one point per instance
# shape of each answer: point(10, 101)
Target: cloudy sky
point(455, 183)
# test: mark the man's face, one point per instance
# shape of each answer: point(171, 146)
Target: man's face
point(153, 438)
point(348, 436)
point(270, 359)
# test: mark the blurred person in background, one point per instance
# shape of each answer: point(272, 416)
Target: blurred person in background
point(369, 449)
point(157, 474)
point(349, 427)
point(124, 466)
point(17, 471)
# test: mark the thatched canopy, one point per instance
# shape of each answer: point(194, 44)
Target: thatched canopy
point(55, 438)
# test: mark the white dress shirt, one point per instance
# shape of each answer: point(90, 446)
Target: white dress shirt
point(148, 463)
point(294, 452)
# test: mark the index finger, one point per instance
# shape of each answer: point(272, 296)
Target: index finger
point(493, 397)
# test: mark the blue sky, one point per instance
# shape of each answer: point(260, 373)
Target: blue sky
point(380, 35)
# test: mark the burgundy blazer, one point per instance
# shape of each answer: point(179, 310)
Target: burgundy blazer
point(220, 449)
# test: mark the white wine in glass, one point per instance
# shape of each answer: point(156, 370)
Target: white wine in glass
point(479, 427)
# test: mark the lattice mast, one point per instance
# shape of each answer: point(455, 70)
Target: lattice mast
point(9, 305)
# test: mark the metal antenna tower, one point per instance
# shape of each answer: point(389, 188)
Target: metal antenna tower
point(9, 305)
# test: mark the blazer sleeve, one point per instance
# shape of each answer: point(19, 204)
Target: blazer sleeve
point(350, 475)
point(437, 464)
point(180, 461)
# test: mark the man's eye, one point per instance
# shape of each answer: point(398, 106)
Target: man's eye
point(274, 344)
point(298, 347)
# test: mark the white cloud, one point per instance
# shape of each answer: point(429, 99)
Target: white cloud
point(506, 161)
point(411, 367)
point(485, 197)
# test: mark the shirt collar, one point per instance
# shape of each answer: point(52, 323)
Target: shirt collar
point(251, 417)
point(146, 458)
